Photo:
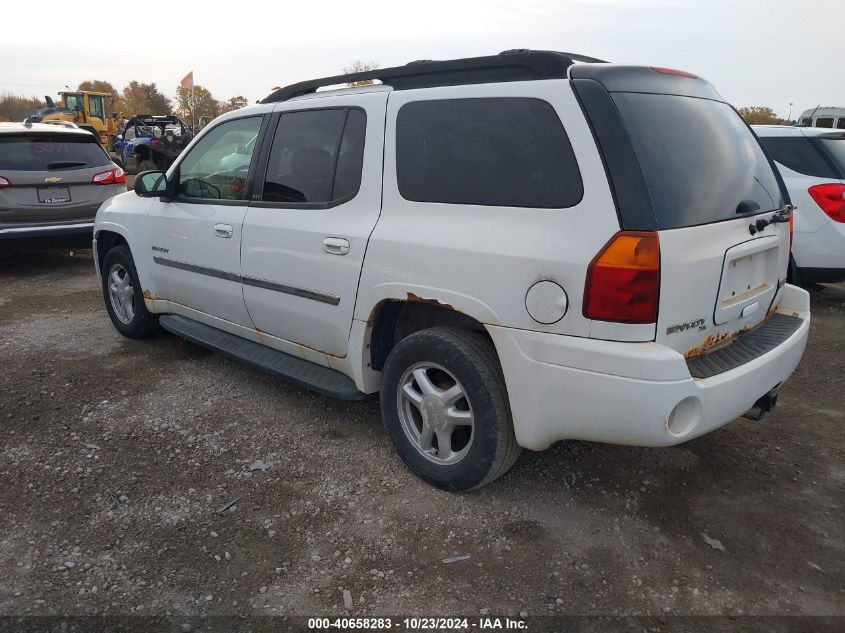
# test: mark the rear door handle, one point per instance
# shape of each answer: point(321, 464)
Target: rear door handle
point(223, 230)
point(336, 246)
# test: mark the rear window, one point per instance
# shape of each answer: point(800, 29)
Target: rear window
point(509, 152)
point(700, 161)
point(798, 154)
point(835, 149)
point(46, 152)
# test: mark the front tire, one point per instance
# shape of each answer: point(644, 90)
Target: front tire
point(446, 408)
point(124, 297)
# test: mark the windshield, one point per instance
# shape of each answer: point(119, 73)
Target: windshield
point(42, 152)
point(835, 148)
point(701, 162)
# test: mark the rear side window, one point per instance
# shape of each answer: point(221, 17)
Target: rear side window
point(51, 151)
point(700, 161)
point(824, 122)
point(798, 154)
point(509, 152)
point(316, 158)
point(835, 150)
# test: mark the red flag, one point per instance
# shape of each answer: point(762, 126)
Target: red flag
point(188, 82)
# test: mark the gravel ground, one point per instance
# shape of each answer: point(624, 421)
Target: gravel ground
point(119, 458)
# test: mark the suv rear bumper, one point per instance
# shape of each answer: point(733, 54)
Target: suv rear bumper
point(47, 230)
point(640, 394)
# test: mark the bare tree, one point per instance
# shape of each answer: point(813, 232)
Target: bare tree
point(359, 67)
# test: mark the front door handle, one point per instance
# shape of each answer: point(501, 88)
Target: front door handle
point(336, 246)
point(223, 230)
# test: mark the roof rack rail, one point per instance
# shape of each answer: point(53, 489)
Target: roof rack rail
point(512, 65)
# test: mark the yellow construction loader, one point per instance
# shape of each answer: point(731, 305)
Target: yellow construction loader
point(88, 111)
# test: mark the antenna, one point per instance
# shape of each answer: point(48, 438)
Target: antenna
point(812, 114)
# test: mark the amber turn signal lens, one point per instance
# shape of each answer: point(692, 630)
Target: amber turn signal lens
point(623, 280)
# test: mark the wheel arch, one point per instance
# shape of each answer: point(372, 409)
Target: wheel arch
point(104, 240)
point(394, 319)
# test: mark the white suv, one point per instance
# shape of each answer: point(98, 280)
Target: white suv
point(811, 161)
point(511, 250)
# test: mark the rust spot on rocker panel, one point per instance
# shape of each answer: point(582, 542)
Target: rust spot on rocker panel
point(151, 296)
point(417, 299)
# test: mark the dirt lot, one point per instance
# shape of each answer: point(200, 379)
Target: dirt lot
point(117, 456)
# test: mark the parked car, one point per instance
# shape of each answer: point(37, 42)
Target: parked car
point(147, 141)
point(511, 250)
point(53, 178)
point(812, 163)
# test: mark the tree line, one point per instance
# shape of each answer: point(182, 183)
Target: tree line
point(135, 98)
point(762, 115)
point(140, 98)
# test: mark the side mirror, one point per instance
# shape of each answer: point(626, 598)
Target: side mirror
point(151, 184)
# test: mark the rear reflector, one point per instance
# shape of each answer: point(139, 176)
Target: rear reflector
point(114, 176)
point(5, 182)
point(623, 280)
point(672, 71)
point(831, 199)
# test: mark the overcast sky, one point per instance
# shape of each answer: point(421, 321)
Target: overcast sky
point(756, 52)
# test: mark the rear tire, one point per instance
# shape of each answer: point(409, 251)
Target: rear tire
point(124, 297)
point(445, 386)
point(146, 165)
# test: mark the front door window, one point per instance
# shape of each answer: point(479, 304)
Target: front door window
point(217, 166)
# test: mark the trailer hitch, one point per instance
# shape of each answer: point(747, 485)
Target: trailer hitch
point(763, 405)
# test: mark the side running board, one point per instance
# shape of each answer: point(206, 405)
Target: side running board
point(321, 379)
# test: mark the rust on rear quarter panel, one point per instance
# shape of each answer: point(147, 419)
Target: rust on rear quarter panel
point(418, 299)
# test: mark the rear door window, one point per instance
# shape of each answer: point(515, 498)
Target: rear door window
point(700, 161)
point(50, 151)
point(316, 157)
point(509, 152)
point(798, 154)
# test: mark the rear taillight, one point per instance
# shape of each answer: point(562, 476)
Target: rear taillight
point(114, 176)
point(5, 182)
point(831, 199)
point(623, 280)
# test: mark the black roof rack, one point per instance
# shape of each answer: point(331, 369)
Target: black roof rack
point(512, 65)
